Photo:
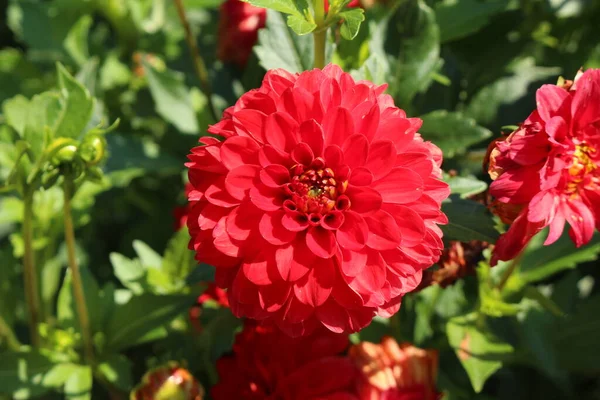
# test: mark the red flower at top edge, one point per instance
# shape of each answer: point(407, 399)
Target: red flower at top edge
point(321, 204)
point(547, 171)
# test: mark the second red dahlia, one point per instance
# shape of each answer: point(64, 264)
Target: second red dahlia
point(321, 204)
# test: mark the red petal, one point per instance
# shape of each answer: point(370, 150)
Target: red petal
point(353, 261)
point(273, 231)
point(217, 195)
point(272, 297)
point(586, 107)
point(260, 271)
point(239, 150)
point(280, 131)
point(321, 242)
point(333, 220)
point(333, 316)
point(361, 176)
point(295, 221)
point(315, 287)
point(372, 278)
point(268, 155)
point(303, 154)
point(252, 121)
point(294, 260)
point(337, 126)
point(311, 133)
point(400, 186)
point(240, 179)
point(266, 198)
point(333, 156)
point(355, 149)
point(409, 222)
point(274, 175)
point(384, 233)
point(353, 234)
point(581, 219)
point(242, 220)
point(551, 101)
point(364, 199)
point(370, 123)
point(397, 130)
point(381, 158)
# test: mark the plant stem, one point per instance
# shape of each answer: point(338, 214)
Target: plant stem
point(509, 271)
point(32, 294)
point(320, 33)
point(199, 64)
point(11, 340)
point(82, 311)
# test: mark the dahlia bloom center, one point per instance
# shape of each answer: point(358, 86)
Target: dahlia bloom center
point(582, 162)
point(315, 196)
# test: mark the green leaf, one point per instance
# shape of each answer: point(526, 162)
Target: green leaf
point(410, 41)
point(468, 220)
point(45, 111)
point(480, 352)
point(576, 338)
point(284, 6)
point(79, 384)
point(485, 105)
point(179, 259)
point(22, 374)
point(491, 301)
point(460, 18)
point(113, 73)
point(540, 262)
point(279, 47)
point(172, 98)
point(300, 25)
point(15, 113)
point(452, 131)
point(76, 41)
point(94, 298)
point(465, 186)
point(131, 273)
point(351, 22)
point(140, 316)
point(78, 105)
point(202, 273)
point(116, 369)
point(147, 256)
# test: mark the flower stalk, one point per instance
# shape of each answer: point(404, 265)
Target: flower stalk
point(32, 294)
point(320, 33)
point(199, 64)
point(82, 311)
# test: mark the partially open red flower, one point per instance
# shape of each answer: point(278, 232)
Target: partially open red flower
point(547, 171)
point(321, 204)
point(395, 372)
point(238, 30)
point(168, 382)
point(267, 364)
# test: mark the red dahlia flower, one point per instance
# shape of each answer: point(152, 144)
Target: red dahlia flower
point(267, 364)
point(395, 372)
point(547, 170)
point(321, 204)
point(238, 30)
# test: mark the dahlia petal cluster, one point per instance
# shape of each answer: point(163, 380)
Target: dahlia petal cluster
point(321, 204)
point(547, 171)
point(266, 364)
point(238, 30)
point(389, 371)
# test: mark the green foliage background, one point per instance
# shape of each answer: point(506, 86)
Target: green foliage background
point(468, 68)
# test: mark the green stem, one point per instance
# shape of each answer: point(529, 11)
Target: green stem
point(199, 64)
point(82, 311)
point(319, 35)
point(32, 294)
point(11, 340)
point(509, 271)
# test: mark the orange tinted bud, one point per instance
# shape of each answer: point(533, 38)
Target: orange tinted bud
point(170, 382)
point(389, 369)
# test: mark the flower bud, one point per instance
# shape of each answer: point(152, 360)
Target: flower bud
point(92, 149)
point(169, 382)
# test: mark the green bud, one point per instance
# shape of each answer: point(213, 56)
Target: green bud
point(92, 149)
point(65, 155)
